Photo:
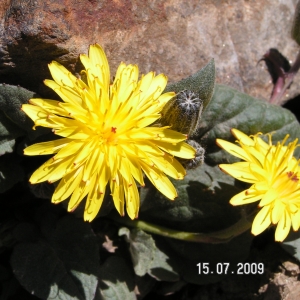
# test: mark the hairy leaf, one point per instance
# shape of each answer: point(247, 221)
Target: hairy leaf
point(292, 244)
point(10, 172)
point(202, 204)
point(117, 280)
point(13, 122)
point(201, 83)
point(230, 108)
point(63, 265)
point(203, 198)
point(146, 257)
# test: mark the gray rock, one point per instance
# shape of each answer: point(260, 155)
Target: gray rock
point(174, 37)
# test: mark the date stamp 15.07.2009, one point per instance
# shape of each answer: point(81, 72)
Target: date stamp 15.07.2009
point(205, 268)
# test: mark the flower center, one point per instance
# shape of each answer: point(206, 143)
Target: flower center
point(293, 176)
point(287, 184)
point(108, 136)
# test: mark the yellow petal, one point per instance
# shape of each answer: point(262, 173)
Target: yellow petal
point(127, 81)
point(132, 200)
point(261, 221)
point(103, 177)
point(261, 145)
point(146, 121)
point(233, 149)
point(149, 148)
point(51, 170)
point(117, 192)
point(125, 170)
point(258, 172)
point(295, 218)
point(93, 205)
point(71, 149)
point(51, 106)
point(242, 137)
point(78, 194)
point(239, 171)
point(160, 181)
point(165, 98)
point(97, 63)
point(72, 132)
point(93, 163)
point(61, 75)
point(283, 227)
point(155, 89)
point(75, 111)
point(34, 112)
point(83, 155)
point(67, 185)
point(244, 198)
point(135, 169)
point(46, 147)
point(169, 166)
point(268, 197)
point(61, 169)
point(67, 94)
point(182, 149)
point(277, 211)
point(140, 93)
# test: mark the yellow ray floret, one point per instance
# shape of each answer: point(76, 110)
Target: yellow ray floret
point(106, 136)
point(274, 174)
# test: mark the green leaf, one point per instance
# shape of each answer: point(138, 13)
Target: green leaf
point(230, 108)
point(13, 122)
point(203, 198)
point(11, 99)
point(201, 83)
point(8, 286)
point(146, 257)
point(117, 280)
point(292, 244)
point(202, 204)
point(142, 249)
point(63, 265)
point(8, 132)
point(10, 172)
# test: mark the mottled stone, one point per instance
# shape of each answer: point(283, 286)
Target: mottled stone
point(175, 37)
point(291, 268)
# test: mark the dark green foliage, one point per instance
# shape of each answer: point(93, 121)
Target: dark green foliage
point(61, 264)
point(201, 83)
point(230, 108)
point(117, 280)
point(55, 256)
point(183, 112)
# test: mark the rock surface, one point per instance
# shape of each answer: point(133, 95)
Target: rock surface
point(171, 36)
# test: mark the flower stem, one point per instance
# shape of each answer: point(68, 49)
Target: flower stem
point(217, 237)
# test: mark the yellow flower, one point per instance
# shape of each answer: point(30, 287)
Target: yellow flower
point(106, 138)
point(274, 174)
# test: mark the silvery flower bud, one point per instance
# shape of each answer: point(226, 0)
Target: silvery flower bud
point(199, 157)
point(183, 112)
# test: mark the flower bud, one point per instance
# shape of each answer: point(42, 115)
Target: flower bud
point(199, 157)
point(183, 112)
